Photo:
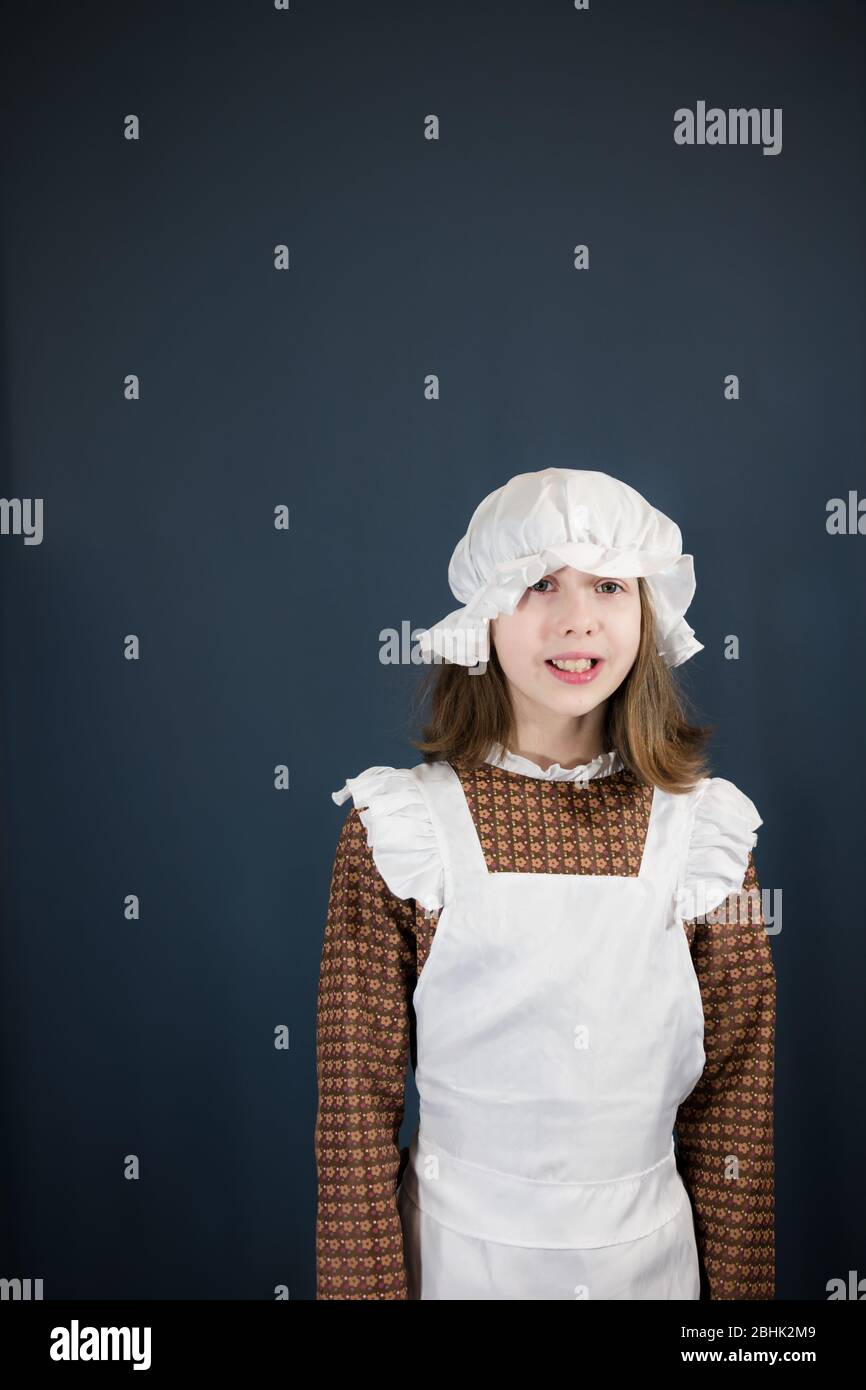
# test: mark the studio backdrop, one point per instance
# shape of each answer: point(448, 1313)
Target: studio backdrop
point(286, 290)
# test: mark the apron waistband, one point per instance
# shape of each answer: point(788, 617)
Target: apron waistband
point(512, 1210)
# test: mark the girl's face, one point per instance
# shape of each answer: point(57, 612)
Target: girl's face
point(566, 613)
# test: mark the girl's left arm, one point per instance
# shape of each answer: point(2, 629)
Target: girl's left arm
point(725, 1133)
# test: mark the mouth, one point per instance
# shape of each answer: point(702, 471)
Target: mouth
point(575, 672)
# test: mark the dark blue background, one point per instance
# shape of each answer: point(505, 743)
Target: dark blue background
point(261, 647)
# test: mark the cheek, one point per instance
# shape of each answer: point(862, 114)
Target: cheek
point(631, 630)
point(514, 641)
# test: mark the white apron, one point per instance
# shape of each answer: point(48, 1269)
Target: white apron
point(559, 1027)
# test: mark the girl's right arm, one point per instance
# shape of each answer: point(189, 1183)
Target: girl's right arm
point(367, 977)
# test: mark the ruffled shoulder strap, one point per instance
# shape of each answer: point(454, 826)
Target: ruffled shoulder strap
point(400, 832)
point(722, 832)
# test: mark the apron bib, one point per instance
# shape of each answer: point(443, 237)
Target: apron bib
point(559, 1027)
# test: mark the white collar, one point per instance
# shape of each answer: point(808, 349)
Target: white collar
point(602, 766)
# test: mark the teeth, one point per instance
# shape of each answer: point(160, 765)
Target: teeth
point(582, 665)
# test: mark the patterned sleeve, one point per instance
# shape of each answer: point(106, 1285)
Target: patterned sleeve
point(725, 1139)
point(366, 980)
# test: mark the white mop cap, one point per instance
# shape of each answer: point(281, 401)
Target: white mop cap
point(538, 522)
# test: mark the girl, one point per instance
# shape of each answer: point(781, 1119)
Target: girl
point(556, 915)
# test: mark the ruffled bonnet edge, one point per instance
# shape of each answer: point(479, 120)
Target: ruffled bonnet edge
point(462, 637)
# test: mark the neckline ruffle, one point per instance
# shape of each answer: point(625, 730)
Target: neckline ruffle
point(602, 766)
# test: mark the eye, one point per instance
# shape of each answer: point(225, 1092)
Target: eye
point(535, 588)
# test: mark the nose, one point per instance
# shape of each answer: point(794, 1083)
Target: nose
point(577, 615)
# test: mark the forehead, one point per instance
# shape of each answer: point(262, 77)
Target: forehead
point(565, 570)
